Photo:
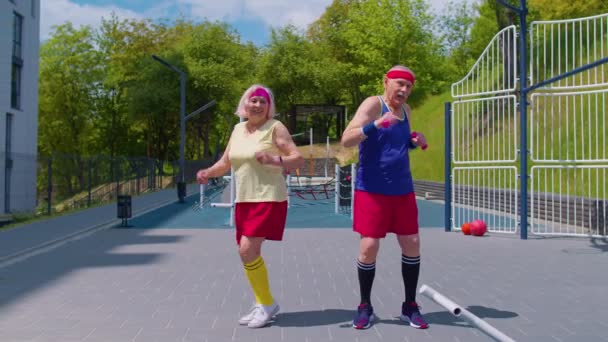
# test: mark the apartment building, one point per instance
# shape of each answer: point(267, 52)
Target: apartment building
point(19, 45)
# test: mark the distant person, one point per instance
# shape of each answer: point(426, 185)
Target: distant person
point(384, 191)
point(259, 149)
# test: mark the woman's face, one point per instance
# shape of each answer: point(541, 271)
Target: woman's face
point(257, 108)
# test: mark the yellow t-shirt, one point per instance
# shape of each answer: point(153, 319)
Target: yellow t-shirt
point(256, 182)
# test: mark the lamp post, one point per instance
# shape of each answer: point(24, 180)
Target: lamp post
point(181, 184)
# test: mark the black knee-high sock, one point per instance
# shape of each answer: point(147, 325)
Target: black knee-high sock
point(366, 279)
point(410, 269)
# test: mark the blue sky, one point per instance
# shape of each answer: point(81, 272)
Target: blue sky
point(251, 18)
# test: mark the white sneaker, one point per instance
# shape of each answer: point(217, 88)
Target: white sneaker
point(262, 315)
point(248, 317)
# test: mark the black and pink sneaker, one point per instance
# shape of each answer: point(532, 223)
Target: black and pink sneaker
point(365, 316)
point(410, 312)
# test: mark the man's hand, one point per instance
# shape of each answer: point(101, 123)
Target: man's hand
point(387, 120)
point(419, 139)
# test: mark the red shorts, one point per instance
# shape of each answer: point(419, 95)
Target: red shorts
point(260, 219)
point(376, 214)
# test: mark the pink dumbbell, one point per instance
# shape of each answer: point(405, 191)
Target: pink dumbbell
point(386, 124)
point(414, 135)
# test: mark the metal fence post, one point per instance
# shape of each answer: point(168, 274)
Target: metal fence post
point(448, 167)
point(49, 186)
point(90, 185)
point(118, 175)
point(137, 177)
point(523, 109)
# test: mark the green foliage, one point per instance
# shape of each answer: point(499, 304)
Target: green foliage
point(101, 93)
point(567, 9)
point(220, 68)
point(285, 66)
point(456, 24)
point(69, 71)
point(483, 30)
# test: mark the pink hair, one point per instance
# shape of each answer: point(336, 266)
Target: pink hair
point(257, 88)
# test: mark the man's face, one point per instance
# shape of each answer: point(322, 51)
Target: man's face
point(398, 89)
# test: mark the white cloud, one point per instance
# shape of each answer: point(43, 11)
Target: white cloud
point(279, 12)
point(56, 12)
point(271, 12)
point(226, 10)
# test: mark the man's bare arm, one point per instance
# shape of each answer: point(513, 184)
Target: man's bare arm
point(367, 112)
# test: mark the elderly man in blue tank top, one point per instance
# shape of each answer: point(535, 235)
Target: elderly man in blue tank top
point(384, 192)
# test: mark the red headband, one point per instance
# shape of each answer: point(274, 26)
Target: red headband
point(405, 74)
point(261, 92)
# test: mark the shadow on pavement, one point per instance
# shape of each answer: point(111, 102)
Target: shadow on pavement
point(446, 318)
point(335, 316)
point(17, 281)
point(313, 318)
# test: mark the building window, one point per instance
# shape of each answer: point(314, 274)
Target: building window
point(17, 67)
point(33, 8)
point(17, 35)
point(16, 87)
point(8, 163)
point(8, 146)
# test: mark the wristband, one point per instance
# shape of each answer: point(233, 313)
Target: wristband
point(370, 128)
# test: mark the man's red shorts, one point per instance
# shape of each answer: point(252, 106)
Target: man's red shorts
point(260, 219)
point(376, 214)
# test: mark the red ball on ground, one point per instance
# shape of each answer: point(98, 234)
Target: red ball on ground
point(478, 228)
point(466, 228)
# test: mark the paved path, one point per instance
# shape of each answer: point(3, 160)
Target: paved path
point(25, 240)
point(167, 283)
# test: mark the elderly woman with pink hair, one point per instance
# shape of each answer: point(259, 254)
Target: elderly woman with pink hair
point(258, 150)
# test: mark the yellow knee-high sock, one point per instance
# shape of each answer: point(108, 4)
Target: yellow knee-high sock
point(258, 278)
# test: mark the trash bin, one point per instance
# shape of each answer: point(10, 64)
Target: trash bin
point(181, 191)
point(345, 186)
point(124, 208)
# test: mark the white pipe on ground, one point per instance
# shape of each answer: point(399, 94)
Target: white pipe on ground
point(468, 316)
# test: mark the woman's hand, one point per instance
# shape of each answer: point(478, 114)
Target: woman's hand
point(266, 158)
point(202, 176)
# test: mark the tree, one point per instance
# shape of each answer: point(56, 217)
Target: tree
point(372, 36)
point(456, 24)
point(115, 134)
point(69, 71)
point(286, 67)
point(220, 68)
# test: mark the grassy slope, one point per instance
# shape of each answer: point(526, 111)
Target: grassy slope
point(429, 118)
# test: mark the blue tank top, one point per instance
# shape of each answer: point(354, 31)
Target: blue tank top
point(384, 162)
